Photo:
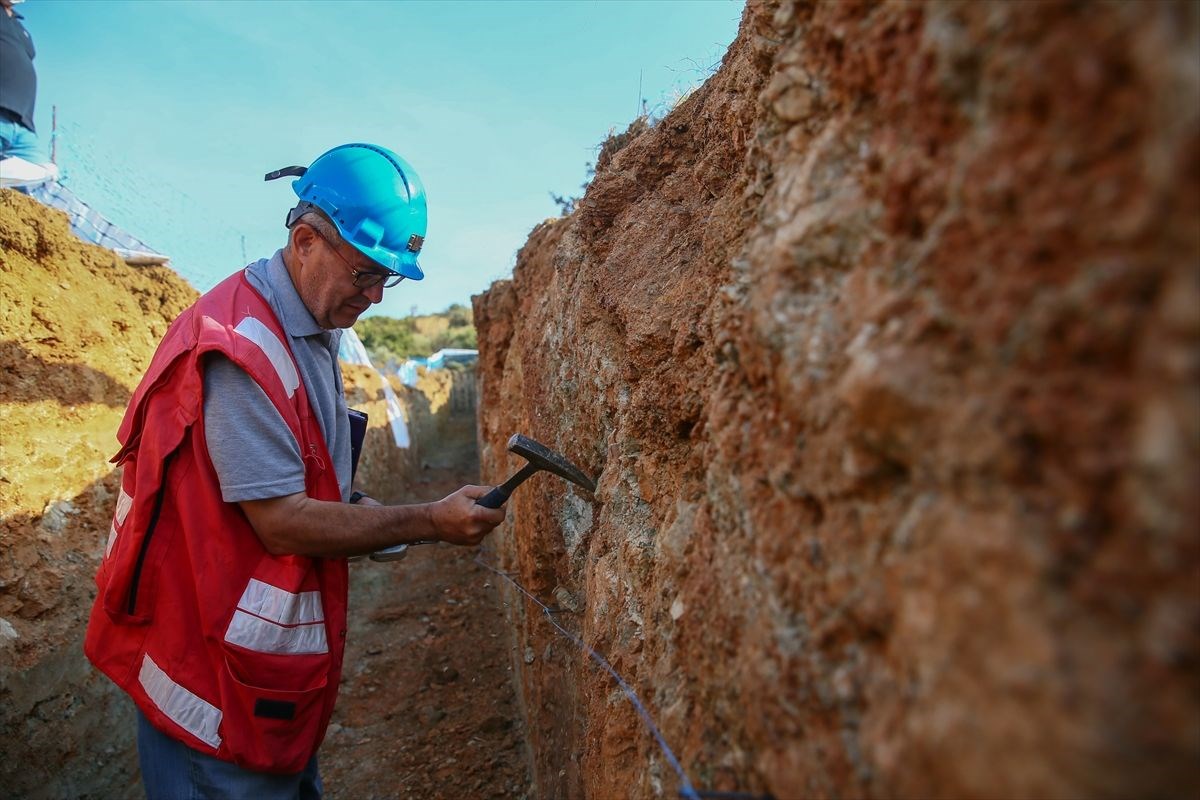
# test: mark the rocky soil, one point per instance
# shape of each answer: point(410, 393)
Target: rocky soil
point(884, 347)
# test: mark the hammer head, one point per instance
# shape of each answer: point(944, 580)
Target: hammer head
point(543, 457)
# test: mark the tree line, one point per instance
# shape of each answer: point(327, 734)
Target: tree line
point(388, 338)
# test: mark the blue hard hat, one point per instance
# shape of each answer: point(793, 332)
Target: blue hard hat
point(373, 196)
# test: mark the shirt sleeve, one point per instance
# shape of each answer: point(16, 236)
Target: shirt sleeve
point(252, 449)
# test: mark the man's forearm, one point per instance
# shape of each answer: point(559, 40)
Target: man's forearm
point(299, 525)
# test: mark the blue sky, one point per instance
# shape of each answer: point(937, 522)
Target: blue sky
point(171, 111)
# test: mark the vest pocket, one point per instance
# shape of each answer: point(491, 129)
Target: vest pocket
point(272, 729)
point(274, 690)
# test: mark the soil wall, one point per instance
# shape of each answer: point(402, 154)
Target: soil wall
point(884, 348)
point(439, 413)
point(383, 468)
point(442, 410)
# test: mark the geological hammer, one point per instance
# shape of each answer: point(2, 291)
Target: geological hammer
point(540, 459)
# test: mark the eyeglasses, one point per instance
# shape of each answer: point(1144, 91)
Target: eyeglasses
point(363, 278)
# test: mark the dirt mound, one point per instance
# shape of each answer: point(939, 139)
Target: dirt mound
point(884, 348)
point(77, 328)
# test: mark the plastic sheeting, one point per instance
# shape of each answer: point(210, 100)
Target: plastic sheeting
point(449, 355)
point(91, 226)
point(352, 351)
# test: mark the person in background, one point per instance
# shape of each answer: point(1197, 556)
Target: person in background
point(23, 160)
point(222, 596)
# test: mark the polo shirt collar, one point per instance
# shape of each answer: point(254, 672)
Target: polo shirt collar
point(295, 317)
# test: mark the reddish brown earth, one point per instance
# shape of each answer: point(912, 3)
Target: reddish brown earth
point(427, 705)
point(884, 347)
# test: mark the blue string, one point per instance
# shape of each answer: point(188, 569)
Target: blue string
point(685, 789)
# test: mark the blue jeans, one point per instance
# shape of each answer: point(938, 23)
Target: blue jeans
point(18, 141)
point(173, 771)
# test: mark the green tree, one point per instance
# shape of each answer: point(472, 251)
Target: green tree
point(386, 337)
point(459, 316)
point(417, 337)
point(462, 338)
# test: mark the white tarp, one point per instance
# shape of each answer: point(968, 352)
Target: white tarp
point(439, 360)
point(92, 226)
point(351, 351)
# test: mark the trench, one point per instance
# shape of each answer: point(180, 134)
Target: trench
point(427, 706)
point(883, 347)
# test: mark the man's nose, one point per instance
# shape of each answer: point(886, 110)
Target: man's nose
point(375, 293)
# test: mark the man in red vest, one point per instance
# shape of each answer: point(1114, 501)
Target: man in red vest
point(222, 595)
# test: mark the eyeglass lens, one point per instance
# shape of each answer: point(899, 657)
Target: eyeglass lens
point(363, 279)
point(369, 280)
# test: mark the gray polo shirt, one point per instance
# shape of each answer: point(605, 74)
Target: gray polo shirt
point(253, 451)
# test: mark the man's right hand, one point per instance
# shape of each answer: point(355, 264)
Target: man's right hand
point(458, 519)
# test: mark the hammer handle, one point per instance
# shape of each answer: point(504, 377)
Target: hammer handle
point(499, 495)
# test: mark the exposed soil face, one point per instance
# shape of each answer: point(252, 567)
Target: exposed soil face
point(885, 349)
point(427, 706)
point(77, 327)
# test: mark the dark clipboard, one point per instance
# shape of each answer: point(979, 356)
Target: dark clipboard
point(358, 432)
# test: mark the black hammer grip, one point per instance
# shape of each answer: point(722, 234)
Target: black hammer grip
point(499, 496)
point(493, 499)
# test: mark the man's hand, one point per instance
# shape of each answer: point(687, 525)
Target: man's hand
point(459, 520)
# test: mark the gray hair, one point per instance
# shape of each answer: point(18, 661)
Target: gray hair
point(314, 217)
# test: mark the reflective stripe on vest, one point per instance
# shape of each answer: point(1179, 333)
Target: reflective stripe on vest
point(272, 620)
point(185, 709)
point(253, 329)
point(124, 503)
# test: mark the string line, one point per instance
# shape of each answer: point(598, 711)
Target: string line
point(686, 790)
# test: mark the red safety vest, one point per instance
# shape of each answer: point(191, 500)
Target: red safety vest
point(233, 651)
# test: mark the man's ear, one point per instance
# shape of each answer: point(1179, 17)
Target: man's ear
point(303, 239)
